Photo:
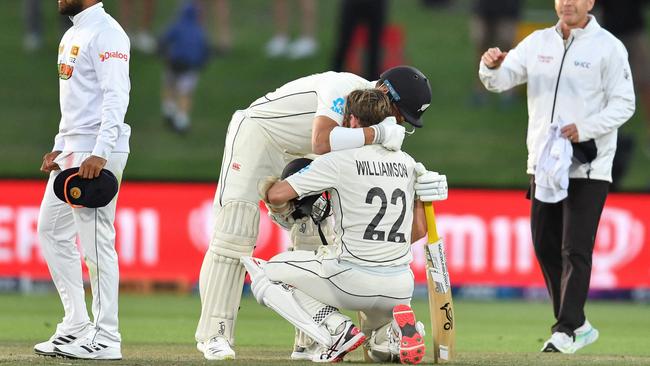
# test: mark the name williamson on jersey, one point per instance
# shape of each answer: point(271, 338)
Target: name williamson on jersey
point(382, 169)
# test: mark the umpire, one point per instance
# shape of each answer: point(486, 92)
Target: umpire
point(580, 85)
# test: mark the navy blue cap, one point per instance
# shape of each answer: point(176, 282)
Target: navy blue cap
point(70, 188)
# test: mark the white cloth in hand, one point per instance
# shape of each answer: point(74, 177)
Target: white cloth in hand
point(430, 186)
point(389, 134)
point(552, 169)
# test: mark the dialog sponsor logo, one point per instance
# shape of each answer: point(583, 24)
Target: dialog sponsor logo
point(113, 54)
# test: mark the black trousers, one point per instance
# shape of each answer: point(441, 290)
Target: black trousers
point(354, 13)
point(563, 236)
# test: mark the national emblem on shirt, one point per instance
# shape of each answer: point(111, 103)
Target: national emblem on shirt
point(337, 105)
point(65, 71)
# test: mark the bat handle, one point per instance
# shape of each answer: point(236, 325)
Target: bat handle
point(430, 216)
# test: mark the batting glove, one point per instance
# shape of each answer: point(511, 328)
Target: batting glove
point(430, 186)
point(280, 214)
point(389, 134)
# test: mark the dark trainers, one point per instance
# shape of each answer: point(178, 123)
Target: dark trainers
point(349, 339)
point(407, 335)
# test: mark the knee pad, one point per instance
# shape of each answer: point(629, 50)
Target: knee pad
point(304, 236)
point(235, 229)
point(222, 275)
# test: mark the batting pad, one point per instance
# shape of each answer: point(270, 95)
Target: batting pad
point(222, 275)
point(377, 346)
point(301, 339)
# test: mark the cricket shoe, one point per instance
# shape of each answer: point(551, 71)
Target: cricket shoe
point(584, 336)
point(47, 348)
point(406, 336)
point(305, 353)
point(343, 342)
point(559, 342)
point(216, 349)
point(87, 348)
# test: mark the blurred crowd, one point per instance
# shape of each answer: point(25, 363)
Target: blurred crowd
point(201, 29)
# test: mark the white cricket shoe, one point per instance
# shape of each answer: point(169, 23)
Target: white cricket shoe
point(302, 47)
point(216, 349)
point(87, 348)
point(559, 342)
point(344, 341)
point(584, 336)
point(305, 353)
point(277, 46)
point(47, 348)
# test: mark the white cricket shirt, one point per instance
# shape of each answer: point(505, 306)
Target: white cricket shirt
point(93, 64)
point(287, 113)
point(372, 192)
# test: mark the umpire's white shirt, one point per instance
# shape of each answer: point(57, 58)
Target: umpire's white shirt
point(93, 64)
point(585, 80)
point(372, 201)
point(286, 115)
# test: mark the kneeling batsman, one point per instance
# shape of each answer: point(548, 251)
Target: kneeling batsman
point(286, 290)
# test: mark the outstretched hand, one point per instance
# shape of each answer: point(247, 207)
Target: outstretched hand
point(493, 57)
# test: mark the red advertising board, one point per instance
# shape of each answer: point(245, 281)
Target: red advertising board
point(163, 230)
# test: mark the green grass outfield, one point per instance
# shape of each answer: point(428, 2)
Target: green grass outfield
point(475, 147)
point(160, 330)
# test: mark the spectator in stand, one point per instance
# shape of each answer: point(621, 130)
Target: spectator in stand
point(353, 13)
point(143, 39)
point(305, 45)
point(33, 16)
point(185, 51)
point(493, 24)
point(625, 20)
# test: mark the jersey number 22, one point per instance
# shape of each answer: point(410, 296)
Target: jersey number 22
point(371, 232)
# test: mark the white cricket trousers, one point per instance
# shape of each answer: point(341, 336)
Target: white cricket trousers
point(371, 290)
point(58, 227)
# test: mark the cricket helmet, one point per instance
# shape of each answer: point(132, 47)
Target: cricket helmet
point(316, 206)
point(409, 90)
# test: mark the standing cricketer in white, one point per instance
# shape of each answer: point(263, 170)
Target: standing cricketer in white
point(300, 118)
point(93, 64)
point(367, 268)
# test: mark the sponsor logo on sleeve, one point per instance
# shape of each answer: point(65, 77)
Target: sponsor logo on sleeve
point(337, 105)
point(304, 169)
point(105, 56)
point(61, 46)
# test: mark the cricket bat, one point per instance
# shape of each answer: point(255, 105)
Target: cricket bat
point(441, 307)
